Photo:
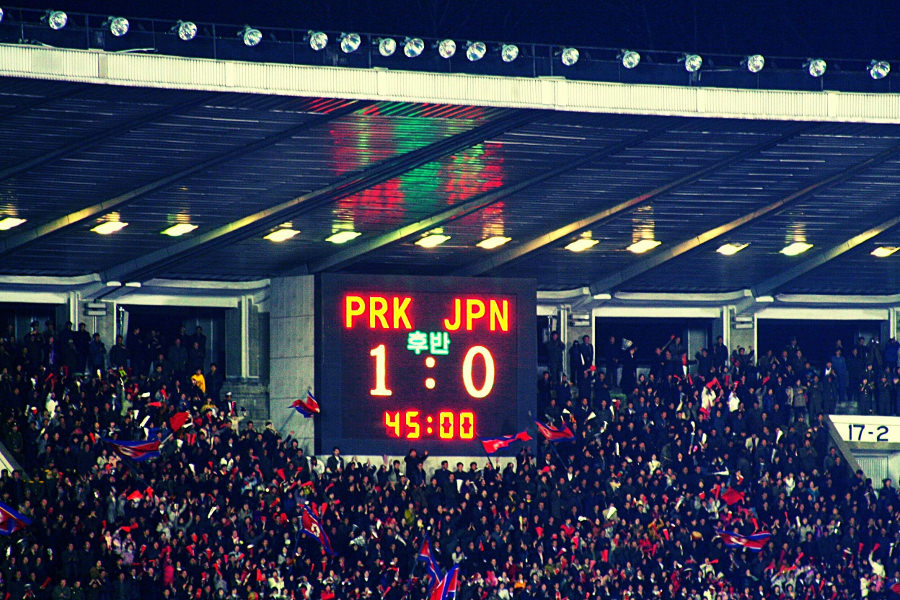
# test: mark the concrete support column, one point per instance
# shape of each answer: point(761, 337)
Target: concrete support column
point(292, 354)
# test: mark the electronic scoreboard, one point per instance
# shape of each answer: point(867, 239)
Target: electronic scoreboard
point(428, 362)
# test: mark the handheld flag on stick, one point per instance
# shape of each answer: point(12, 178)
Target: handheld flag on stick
point(753, 542)
point(431, 565)
point(312, 527)
point(554, 434)
point(12, 520)
point(446, 588)
point(306, 406)
point(137, 451)
point(491, 445)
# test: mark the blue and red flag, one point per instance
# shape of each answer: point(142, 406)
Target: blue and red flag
point(447, 587)
point(306, 406)
point(137, 451)
point(491, 445)
point(12, 520)
point(311, 526)
point(425, 555)
point(555, 434)
point(753, 542)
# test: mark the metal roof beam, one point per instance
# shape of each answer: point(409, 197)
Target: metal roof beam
point(768, 286)
point(616, 279)
point(501, 258)
point(351, 255)
point(152, 263)
point(29, 105)
point(28, 236)
point(84, 143)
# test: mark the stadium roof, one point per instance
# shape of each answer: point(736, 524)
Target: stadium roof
point(241, 165)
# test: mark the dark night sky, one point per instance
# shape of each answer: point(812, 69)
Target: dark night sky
point(828, 28)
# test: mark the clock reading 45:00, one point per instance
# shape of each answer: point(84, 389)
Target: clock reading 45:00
point(412, 424)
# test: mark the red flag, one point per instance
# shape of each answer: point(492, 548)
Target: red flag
point(732, 496)
point(12, 520)
point(178, 420)
point(491, 445)
point(554, 434)
point(306, 406)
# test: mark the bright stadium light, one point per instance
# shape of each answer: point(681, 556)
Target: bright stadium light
point(350, 42)
point(569, 56)
point(317, 39)
point(1, 14)
point(412, 47)
point(815, 67)
point(509, 52)
point(475, 51)
point(446, 48)
point(386, 46)
point(250, 36)
point(56, 19)
point(118, 26)
point(187, 30)
point(754, 63)
point(692, 62)
point(879, 69)
point(629, 58)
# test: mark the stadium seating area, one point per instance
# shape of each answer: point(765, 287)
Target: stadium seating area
point(721, 484)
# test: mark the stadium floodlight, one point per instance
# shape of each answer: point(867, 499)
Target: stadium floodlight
point(118, 26)
point(569, 56)
point(386, 46)
point(815, 67)
point(250, 36)
point(754, 62)
point(446, 48)
point(879, 69)
point(412, 47)
point(187, 30)
point(630, 58)
point(692, 62)
point(1, 14)
point(56, 19)
point(475, 51)
point(350, 42)
point(509, 52)
point(317, 39)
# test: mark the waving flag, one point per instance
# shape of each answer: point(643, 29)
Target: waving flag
point(491, 445)
point(555, 434)
point(12, 520)
point(446, 589)
point(306, 406)
point(732, 496)
point(137, 451)
point(753, 542)
point(312, 527)
point(431, 565)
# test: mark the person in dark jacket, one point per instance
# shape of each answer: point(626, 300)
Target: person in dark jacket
point(554, 348)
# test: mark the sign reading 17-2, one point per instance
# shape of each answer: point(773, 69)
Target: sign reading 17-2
point(422, 362)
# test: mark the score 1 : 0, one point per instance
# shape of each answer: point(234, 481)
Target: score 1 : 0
point(379, 353)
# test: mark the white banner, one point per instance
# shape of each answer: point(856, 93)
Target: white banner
point(868, 428)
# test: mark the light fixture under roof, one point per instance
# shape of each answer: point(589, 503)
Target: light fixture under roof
point(412, 47)
point(509, 52)
point(118, 26)
point(730, 249)
point(569, 56)
point(342, 237)
point(765, 299)
point(879, 69)
point(493, 242)
point(692, 62)
point(178, 229)
point(879, 252)
point(815, 67)
point(250, 36)
point(795, 248)
point(386, 46)
point(350, 42)
point(754, 63)
point(475, 51)
point(108, 227)
point(446, 48)
point(582, 244)
point(1, 14)
point(280, 235)
point(629, 58)
point(187, 30)
point(432, 240)
point(317, 39)
point(55, 19)
point(641, 246)
point(7, 223)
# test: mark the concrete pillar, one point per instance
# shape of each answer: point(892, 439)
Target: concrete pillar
point(292, 354)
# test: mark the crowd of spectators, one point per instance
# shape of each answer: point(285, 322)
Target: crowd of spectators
point(628, 509)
